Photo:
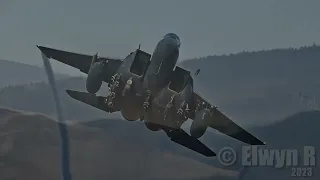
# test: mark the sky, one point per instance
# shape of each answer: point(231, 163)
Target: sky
point(115, 27)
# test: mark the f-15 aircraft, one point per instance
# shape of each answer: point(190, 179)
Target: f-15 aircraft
point(153, 89)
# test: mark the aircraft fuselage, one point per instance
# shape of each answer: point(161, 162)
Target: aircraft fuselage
point(163, 60)
point(158, 92)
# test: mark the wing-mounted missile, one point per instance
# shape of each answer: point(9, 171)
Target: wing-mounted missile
point(184, 110)
point(185, 97)
point(113, 88)
point(168, 106)
point(146, 103)
point(95, 74)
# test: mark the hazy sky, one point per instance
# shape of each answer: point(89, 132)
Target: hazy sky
point(116, 27)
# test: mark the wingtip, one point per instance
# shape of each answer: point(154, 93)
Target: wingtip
point(256, 142)
point(212, 154)
point(260, 143)
point(70, 92)
point(40, 48)
point(209, 153)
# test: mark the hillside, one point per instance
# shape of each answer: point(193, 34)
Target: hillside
point(13, 73)
point(29, 142)
point(267, 85)
point(113, 140)
point(293, 132)
point(37, 97)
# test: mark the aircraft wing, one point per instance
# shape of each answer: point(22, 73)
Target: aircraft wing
point(225, 125)
point(80, 61)
point(90, 99)
point(181, 137)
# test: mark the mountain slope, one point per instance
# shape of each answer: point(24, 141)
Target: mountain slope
point(37, 97)
point(13, 73)
point(132, 141)
point(295, 132)
point(29, 142)
point(268, 85)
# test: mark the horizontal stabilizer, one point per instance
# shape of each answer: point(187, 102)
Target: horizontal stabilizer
point(91, 99)
point(181, 137)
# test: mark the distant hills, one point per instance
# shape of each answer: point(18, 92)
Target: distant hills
point(37, 97)
point(13, 73)
point(30, 150)
point(30, 141)
point(293, 132)
point(262, 86)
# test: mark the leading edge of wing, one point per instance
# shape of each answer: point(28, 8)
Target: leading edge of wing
point(77, 60)
point(223, 124)
point(181, 137)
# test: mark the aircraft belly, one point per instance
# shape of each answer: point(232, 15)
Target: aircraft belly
point(129, 109)
point(159, 115)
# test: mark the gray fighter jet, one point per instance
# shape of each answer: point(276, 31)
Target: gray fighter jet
point(151, 88)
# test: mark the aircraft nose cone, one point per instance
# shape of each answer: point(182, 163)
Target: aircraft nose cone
point(169, 44)
point(173, 37)
point(166, 47)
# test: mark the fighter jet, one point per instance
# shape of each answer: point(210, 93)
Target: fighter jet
point(153, 89)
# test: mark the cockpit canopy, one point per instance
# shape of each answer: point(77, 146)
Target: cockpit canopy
point(174, 37)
